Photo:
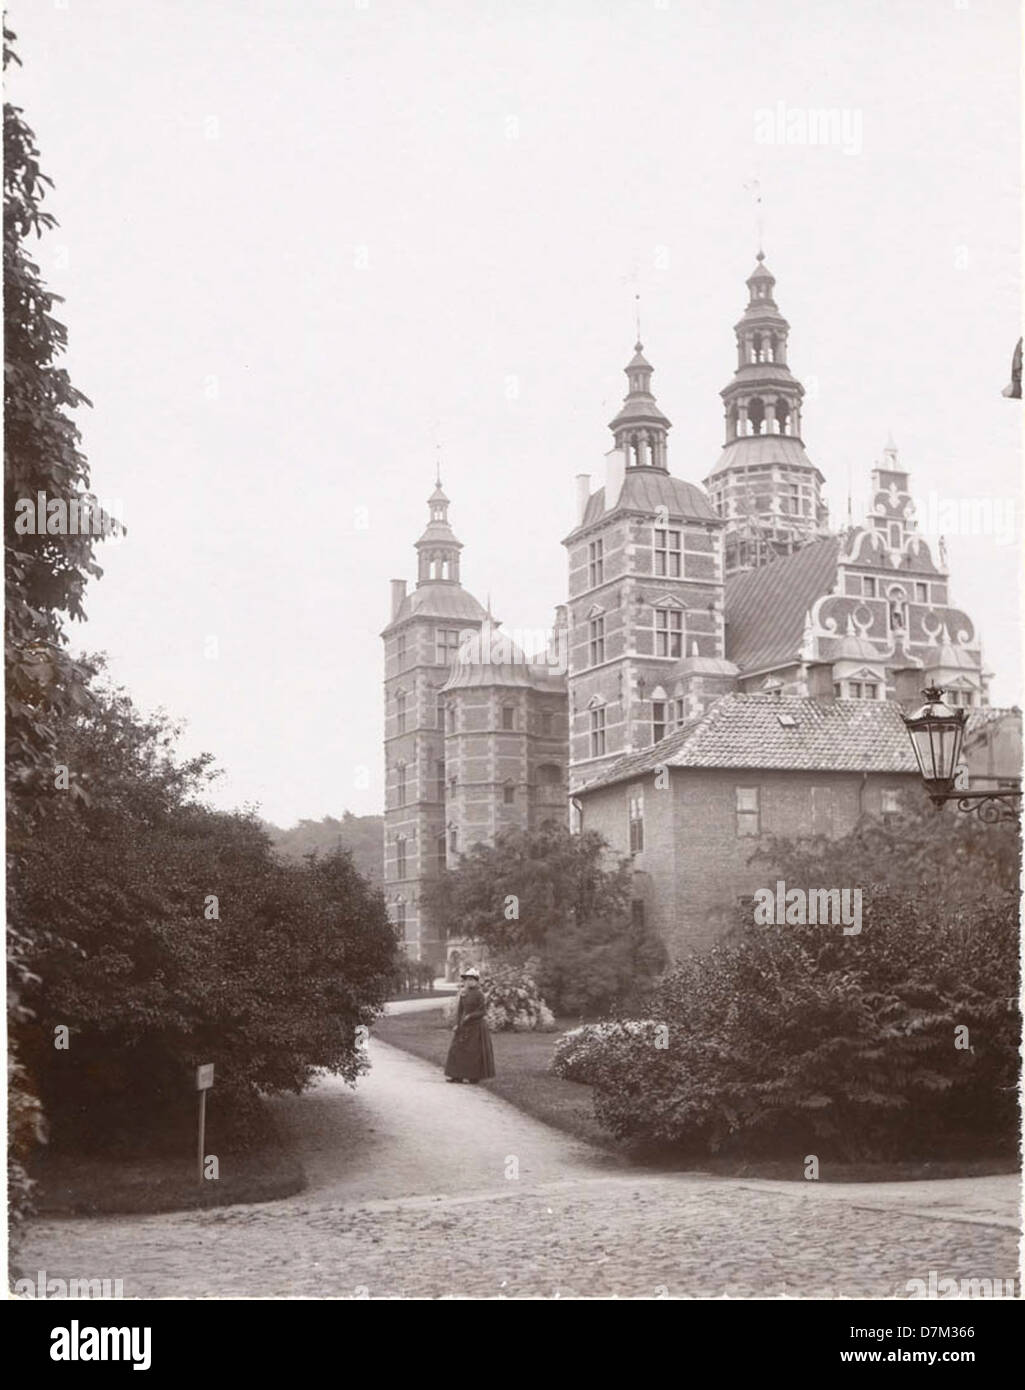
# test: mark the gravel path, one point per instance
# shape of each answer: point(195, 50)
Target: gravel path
point(423, 1189)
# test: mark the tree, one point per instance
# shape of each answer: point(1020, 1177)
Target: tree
point(45, 575)
point(174, 936)
point(551, 894)
point(897, 1041)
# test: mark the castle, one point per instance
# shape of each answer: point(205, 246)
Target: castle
point(722, 634)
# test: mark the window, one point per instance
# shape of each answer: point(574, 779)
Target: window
point(854, 690)
point(440, 712)
point(658, 720)
point(441, 779)
point(597, 641)
point(597, 732)
point(837, 691)
point(546, 721)
point(400, 857)
point(747, 811)
point(868, 587)
point(870, 691)
point(890, 801)
point(636, 822)
point(442, 856)
point(401, 784)
point(400, 711)
point(668, 632)
point(446, 645)
point(508, 794)
point(678, 712)
point(596, 563)
point(667, 552)
point(400, 649)
point(821, 811)
point(453, 838)
point(921, 593)
point(508, 716)
point(637, 914)
point(400, 915)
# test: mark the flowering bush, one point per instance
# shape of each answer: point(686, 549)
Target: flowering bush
point(582, 1053)
point(513, 1000)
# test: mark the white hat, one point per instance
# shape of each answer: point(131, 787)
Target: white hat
point(470, 973)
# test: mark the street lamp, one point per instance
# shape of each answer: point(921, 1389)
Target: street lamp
point(937, 733)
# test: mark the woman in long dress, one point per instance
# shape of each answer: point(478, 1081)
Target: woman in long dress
point(470, 1056)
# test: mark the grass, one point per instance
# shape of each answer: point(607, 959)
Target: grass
point(521, 1061)
point(164, 1178)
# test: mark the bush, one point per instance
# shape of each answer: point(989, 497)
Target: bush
point(411, 976)
point(169, 935)
point(798, 1039)
point(582, 1053)
point(599, 966)
point(513, 1000)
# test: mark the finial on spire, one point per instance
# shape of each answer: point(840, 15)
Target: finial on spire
point(437, 463)
point(637, 315)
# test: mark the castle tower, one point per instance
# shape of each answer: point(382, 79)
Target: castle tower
point(645, 591)
point(764, 485)
point(421, 644)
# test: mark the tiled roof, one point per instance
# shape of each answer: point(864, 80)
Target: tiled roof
point(438, 600)
point(475, 675)
point(644, 490)
point(766, 607)
point(753, 449)
point(746, 731)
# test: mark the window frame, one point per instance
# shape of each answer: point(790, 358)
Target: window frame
point(755, 811)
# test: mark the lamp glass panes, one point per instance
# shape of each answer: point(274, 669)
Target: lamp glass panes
point(936, 732)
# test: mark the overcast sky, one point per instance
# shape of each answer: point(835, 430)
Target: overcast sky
point(303, 241)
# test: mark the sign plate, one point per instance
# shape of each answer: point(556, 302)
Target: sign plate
point(205, 1076)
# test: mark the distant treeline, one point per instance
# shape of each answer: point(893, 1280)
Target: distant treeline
point(363, 835)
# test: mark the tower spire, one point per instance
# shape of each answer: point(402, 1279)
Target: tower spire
point(438, 549)
point(764, 477)
point(640, 428)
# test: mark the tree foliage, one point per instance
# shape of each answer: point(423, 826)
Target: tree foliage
point(899, 1041)
point(44, 575)
point(553, 895)
point(362, 836)
point(174, 937)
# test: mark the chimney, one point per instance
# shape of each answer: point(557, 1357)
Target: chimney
point(398, 593)
point(583, 493)
point(615, 475)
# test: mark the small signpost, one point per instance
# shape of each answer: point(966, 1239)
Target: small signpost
point(204, 1081)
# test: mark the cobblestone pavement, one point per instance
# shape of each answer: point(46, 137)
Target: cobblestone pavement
point(421, 1189)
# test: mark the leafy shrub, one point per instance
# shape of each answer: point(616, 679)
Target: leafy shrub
point(170, 935)
point(513, 1000)
point(582, 1053)
point(800, 1039)
point(899, 1041)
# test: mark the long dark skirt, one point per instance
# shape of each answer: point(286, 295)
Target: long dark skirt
point(470, 1056)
